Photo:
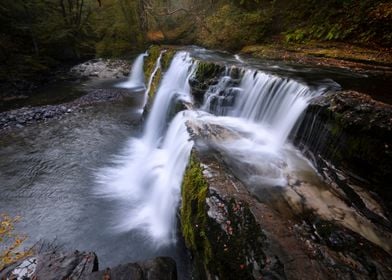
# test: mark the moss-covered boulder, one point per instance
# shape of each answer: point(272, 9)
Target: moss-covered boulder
point(207, 74)
point(221, 231)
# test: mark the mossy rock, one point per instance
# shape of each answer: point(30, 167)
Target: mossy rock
point(207, 70)
point(232, 248)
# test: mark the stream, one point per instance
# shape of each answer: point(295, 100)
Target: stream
point(95, 181)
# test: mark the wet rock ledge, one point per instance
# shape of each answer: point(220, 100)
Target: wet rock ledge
point(348, 137)
point(232, 235)
point(84, 266)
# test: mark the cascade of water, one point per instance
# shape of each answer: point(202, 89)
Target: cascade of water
point(274, 102)
point(174, 85)
point(271, 101)
point(215, 95)
point(136, 78)
point(156, 68)
point(148, 175)
point(258, 115)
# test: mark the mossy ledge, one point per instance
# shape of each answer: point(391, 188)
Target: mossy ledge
point(221, 232)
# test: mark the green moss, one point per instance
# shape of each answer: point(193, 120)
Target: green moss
point(206, 70)
point(167, 58)
point(149, 62)
point(222, 250)
point(193, 209)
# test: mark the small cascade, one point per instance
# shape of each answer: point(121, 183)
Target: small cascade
point(136, 78)
point(147, 177)
point(261, 110)
point(220, 98)
point(174, 86)
point(271, 101)
point(216, 97)
point(156, 68)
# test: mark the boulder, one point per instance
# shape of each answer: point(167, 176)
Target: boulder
point(160, 268)
point(53, 266)
point(84, 266)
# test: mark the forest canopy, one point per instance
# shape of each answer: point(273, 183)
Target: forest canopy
point(37, 35)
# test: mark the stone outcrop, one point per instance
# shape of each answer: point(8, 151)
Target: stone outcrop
point(207, 74)
point(84, 266)
point(348, 137)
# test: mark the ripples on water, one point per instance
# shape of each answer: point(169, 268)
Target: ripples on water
point(47, 177)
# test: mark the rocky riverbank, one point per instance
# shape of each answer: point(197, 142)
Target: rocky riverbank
point(96, 69)
point(25, 116)
point(102, 68)
point(77, 265)
point(69, 81)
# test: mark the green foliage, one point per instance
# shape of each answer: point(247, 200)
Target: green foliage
point(364, 21)
point(37, 35)
point(118, 28)
point(233, 27)
point(206, 70)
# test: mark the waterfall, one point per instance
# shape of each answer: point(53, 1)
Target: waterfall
point(175, 85)
point(156, 68)
point(258, 113)
point(271, 101)
point(148, 174)
point(136, 78)
point(215, 97)
point(259, 110)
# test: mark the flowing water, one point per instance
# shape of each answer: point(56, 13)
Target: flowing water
point(136, 78)
point(96, 182)
point(148, 174)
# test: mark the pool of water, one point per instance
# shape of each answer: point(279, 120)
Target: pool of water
point(48, 176)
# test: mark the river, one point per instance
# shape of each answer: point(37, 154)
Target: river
point(97, 181)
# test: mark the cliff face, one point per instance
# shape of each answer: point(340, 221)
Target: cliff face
point(350, 132)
